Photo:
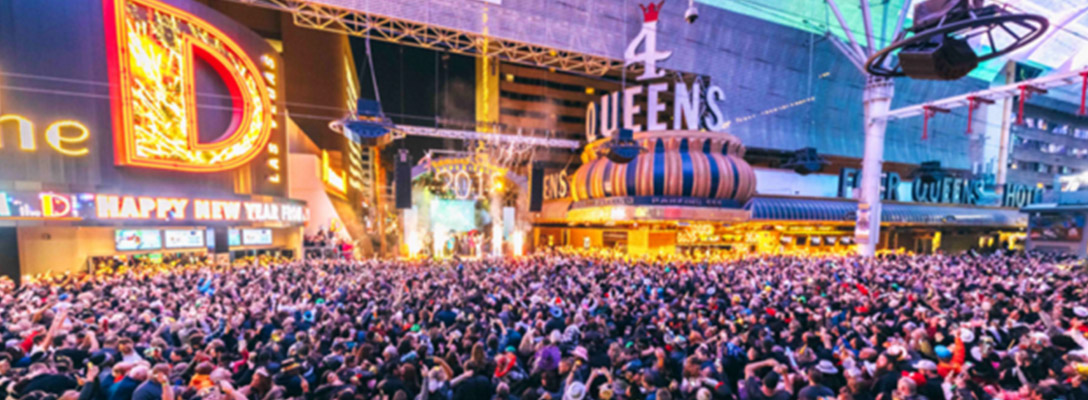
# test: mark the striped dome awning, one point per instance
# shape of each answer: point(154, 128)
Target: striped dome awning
point(685, 164)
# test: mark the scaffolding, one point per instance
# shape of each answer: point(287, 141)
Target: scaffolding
point(357, 23)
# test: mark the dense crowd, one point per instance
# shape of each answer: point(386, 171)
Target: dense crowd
point(1004, 327)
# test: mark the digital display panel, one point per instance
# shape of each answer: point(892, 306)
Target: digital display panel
point(252, 237)
point(453, 215)
point(138, 239)
point(234, 237)
point(1057, 227)
point(184, 239)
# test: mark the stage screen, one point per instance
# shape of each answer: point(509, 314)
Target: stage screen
point(138, 239)
point(1056, 227)
point(252, 237)
point(184, 239)
point(456, 215)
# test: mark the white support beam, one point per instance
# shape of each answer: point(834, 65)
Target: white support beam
point(491, 137)
point(997, 93)
point(870, 46)
point(846, 29)
point(898, 23)
point(860, 64)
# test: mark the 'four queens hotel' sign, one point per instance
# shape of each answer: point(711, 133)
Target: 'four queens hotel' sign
point(618, 110)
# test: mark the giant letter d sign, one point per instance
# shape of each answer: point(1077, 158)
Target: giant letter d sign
point(151, 48)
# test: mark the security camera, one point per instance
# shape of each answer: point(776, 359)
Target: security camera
point(692, 13)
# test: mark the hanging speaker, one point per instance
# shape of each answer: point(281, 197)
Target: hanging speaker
point(536, 188)
point(403, 184)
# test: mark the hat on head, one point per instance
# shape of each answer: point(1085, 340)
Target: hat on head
point(556, 312)
point(580, 352)
point(925, 365)
point(1080, 312)
point(826, 367)
point(575, 391)
point(852, 373)
point(942, 352)
point(867, 354)
point(506, 363)
point(967, 335)
point(100, 358)
point(896, 352)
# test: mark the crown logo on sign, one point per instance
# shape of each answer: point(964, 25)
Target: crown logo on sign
point(649, 13)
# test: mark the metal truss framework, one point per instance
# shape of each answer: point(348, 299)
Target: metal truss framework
point(353, 22)
point(997, 93)
point(486, 137)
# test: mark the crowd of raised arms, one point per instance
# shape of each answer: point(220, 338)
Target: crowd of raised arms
point(556, 326)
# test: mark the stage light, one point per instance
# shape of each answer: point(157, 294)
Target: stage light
point(936, 47)
point(414, 244)
point(938, 58)
point(517, 242)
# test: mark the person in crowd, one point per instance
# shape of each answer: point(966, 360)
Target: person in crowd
point(558, 325)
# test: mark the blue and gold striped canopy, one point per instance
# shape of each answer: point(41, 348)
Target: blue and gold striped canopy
point(673, 164)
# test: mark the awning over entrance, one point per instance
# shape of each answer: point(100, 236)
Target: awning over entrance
point(844, 210)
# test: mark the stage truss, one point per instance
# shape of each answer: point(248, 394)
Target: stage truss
point(516, 143)
point(357, 23)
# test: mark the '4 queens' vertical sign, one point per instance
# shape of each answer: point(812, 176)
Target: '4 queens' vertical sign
point(619, 109)
point(648, 36)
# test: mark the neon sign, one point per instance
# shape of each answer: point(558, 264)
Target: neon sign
point(132, 207)
point(57, 135)
point(468, 178)
point(152, 48)
point(337, 181)
point(112, 207)
point(44, 205)
point(556, 185)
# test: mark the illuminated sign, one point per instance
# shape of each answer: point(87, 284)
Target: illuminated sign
point(556, 185)
point(949, 190)
point(111, 207)
point(687, 100)
point(65, 137)
point(337, 181)
point(467, 178)
point(152, 48)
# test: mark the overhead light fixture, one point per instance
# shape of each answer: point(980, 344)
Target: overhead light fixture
point(939, 47)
